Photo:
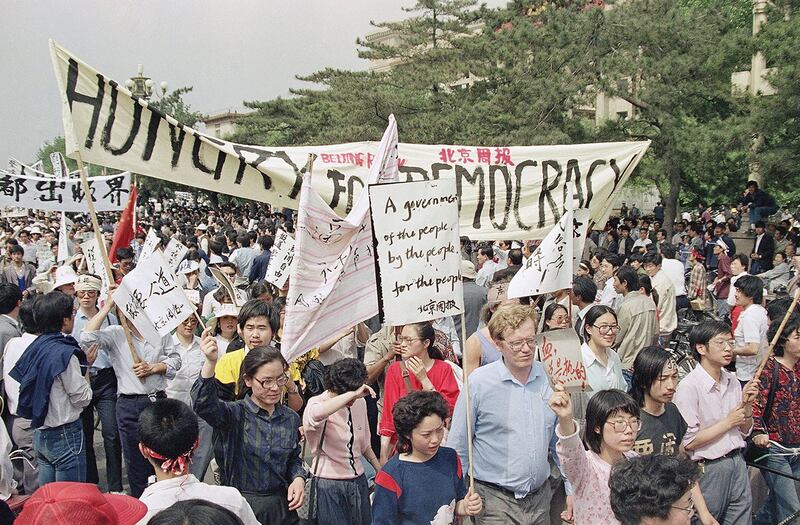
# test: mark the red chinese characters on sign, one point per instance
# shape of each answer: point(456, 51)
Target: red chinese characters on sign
point(560, 353)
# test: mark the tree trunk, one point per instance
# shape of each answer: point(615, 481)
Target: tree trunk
point(214, 198)
point(674, 173)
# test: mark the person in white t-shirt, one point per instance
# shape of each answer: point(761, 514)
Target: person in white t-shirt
point(751, 330)
point(674, 269)
point(168, 437)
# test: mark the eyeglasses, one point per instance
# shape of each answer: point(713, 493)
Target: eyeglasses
point(690, 510)
point(86, 293)
point(269, 382)
point(606, 329)
point(407, 340)
point(516, 346)
point(621, 424)
point(724, 342)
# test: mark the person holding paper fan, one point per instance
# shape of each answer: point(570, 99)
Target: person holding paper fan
point(612, 421)
point(422, 368)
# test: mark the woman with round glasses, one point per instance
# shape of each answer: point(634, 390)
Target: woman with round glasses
point(603, 367)
point(422, 368)
point(260, 436)
point(556, 317)
point(612, 421)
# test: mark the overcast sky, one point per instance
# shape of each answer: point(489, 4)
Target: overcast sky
point(229, 51)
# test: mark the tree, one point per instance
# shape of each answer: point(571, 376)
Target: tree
point(672, 61)
point(777, 117)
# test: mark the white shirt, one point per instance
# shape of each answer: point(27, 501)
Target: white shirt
point(752, 328)
point(69, 395)
point(7, 483)
point(674, 270)
point(486, 273)
point(609, 296)
point(14, 350)
point(642, 243)
point(192, 359)
point(758, 242)
point(112, 338)
point(345, 347)
point(163, 494)
point(222, 345)
point(599, 376)
point(732, 290)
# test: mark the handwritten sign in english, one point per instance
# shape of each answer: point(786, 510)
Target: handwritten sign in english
point(416, 227)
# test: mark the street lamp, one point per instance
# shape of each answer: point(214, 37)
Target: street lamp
point(141, 86)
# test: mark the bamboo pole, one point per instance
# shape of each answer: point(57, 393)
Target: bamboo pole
point(468, 404)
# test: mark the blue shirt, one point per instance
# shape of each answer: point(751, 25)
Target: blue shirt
point(409, 493)
point(513, 428)
point(81, 319)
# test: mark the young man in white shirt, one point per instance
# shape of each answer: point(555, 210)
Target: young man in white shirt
point(751, 330)
point(168, 438)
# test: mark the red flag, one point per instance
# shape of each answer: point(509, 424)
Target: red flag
point(126, 227)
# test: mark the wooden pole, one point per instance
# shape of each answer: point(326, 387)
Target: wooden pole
point(465, 379)
point(123, 321)
point(774, 341)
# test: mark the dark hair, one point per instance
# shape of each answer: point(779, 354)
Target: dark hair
point(594, 313)
point(751, 286)
point(411, 409)
point(10, 296)
point(16, 249)
point(647, 369)
point(216, 247)
point(266, 242)
point(792, 325)
point(258, 308)
point(124, 253)
point(601, 406)
point(487, 252)
point(168, 427)
point(426, 332)
point(648, 486)
point(550, 311)
point(585, 288)
point(742, 258)
point(667, 250)
point(752, 184)
point(26, 315)
point(345, 375)
point(782, 254)
point(615, 259)
point(515, 256)
point(244, 240)
point(646, 283)
point(777, 309)
point(195, 512)
point(702, 333)
point(651, 258)
point(630, 277)
point(258, 289)
point(51, 310)
point(625, 227)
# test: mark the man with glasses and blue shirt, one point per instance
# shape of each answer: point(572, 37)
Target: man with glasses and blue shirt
point(513, 428)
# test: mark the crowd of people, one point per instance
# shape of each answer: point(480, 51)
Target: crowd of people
point(214, 426)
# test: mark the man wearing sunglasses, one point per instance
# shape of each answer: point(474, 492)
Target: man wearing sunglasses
point(104, 389)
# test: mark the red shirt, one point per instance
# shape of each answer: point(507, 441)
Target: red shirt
point(784, 420)
point(440, 375)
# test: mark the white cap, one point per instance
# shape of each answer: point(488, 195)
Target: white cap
point(65, 275)
point(722, 244)
point(188, 267)
point(202, 227)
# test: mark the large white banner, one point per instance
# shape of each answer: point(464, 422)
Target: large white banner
point(280, 260)
point(150, 298)
point(109, 193)
point(504, 192)
point(332, 277)
point(20, 168)
point(419, 255)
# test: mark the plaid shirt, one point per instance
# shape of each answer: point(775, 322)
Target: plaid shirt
point(697, 282)
point(262, 451)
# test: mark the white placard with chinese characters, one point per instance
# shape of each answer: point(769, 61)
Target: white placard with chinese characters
point(280, 261)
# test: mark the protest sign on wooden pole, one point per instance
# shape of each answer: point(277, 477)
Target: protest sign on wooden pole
point(465, 381)
point(102, 247)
